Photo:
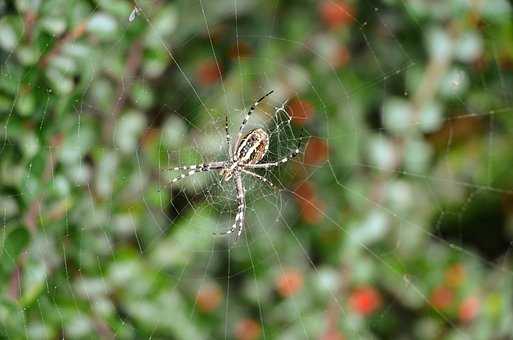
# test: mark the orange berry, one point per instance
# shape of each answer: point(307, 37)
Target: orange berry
point(442, 297)
point(208, 298)
point(247, 329)
point(455, 275)
point(289, 283)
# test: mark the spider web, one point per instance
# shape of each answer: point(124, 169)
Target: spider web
point(127, 255)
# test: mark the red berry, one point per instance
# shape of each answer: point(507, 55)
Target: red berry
point(300, 110)
point(208, 72)
point(311, 207)
point(336, 13)
point(316, 151)
point(365, 300)
point(469, 309)
point(442, 297)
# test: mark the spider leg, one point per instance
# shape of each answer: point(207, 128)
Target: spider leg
point(241, 208)
point(271, 164)
point(228, 139)
point(251, 109)
point(262, 178)
point(194, 169)
point(241, 201)
point(212, 165)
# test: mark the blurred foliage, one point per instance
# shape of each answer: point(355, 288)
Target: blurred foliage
point(397, 221)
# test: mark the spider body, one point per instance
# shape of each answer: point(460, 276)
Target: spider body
point(249, 151)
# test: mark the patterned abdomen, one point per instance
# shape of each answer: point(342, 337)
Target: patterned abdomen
point(253, 147)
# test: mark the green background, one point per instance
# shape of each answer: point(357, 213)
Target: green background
point(394, 222)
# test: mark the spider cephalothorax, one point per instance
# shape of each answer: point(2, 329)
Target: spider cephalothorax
point(249, 151)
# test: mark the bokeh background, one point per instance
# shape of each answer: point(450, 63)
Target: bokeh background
point(395, 222)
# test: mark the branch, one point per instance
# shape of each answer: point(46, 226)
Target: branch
point(124, 85)
point(72, 35)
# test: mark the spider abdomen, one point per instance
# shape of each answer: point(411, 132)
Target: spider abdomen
point(253, 147)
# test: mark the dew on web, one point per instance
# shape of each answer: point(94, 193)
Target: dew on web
point(394, 220)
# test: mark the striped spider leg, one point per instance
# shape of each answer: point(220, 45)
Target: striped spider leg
point(243, 156)
point(194, 169)
point(241, 208)
point(272, 164)
point(251, 110)
point(228, 139)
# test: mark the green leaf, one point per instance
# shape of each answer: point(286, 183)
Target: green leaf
point(35, 275)
point(14, 244)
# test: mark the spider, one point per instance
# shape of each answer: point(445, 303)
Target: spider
point(249, 150)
